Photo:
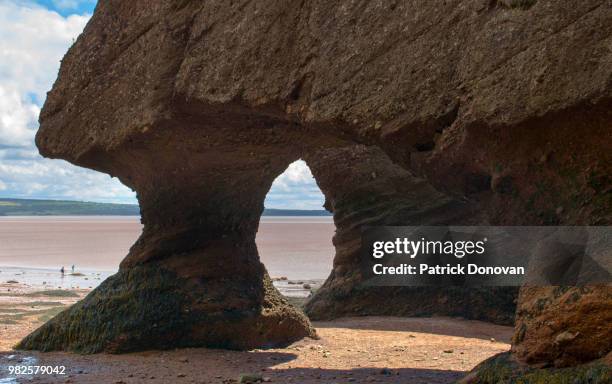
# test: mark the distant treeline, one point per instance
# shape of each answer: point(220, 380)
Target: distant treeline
point(29, 207)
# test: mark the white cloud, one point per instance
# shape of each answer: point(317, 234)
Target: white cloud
point(295, 189)
point(296, 173)
point(17, 117)
point(32, 42)
point(57, 179)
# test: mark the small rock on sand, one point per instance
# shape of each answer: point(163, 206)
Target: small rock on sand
point(250, 378)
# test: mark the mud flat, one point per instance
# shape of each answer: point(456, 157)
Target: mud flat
point(298, 247)
point(24, 308)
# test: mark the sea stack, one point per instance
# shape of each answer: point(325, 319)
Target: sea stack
point(455, 112)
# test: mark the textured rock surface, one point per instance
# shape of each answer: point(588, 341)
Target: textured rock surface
point(148, 307)
point(199, 105)
point(504, 368)
point(377, 193)
point(563, 326)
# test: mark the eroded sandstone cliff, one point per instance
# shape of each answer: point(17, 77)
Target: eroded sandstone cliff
point(502, 107)
point(378, 192)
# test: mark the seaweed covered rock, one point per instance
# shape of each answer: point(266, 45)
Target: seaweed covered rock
point(504, 368)
point(150, 307)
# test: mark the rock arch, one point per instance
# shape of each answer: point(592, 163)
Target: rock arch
point(198, 106)
point(364, 187)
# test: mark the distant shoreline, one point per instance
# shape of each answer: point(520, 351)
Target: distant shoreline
point(35, 207)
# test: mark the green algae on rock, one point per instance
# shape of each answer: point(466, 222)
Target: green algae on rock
point(504, 368)
point(151, 308)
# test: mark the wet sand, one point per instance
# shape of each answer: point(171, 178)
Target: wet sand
point(95, 243)
point(24, 308)
point(294, 247)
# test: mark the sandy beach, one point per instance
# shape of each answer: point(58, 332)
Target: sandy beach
point(365, 349)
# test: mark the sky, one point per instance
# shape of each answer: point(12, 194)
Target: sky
point(34, 35)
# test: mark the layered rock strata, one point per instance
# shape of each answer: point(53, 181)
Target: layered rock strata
point(378, 192)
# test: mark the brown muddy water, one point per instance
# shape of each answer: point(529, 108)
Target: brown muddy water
point(33, 249)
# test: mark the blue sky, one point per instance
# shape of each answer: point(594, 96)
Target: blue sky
point(34, 35)
point(67, 7)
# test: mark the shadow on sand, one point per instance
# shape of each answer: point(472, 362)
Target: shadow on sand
point(448, 326)
point(205, 366)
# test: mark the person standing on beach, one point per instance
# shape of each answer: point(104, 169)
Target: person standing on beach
point(62, 270)
point(72, 268)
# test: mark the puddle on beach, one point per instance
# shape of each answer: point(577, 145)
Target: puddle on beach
point(41, 278)
point(14, 360)
point(47, 279)
point(297, 288)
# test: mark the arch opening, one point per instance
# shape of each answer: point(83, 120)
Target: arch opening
point(294, 239)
